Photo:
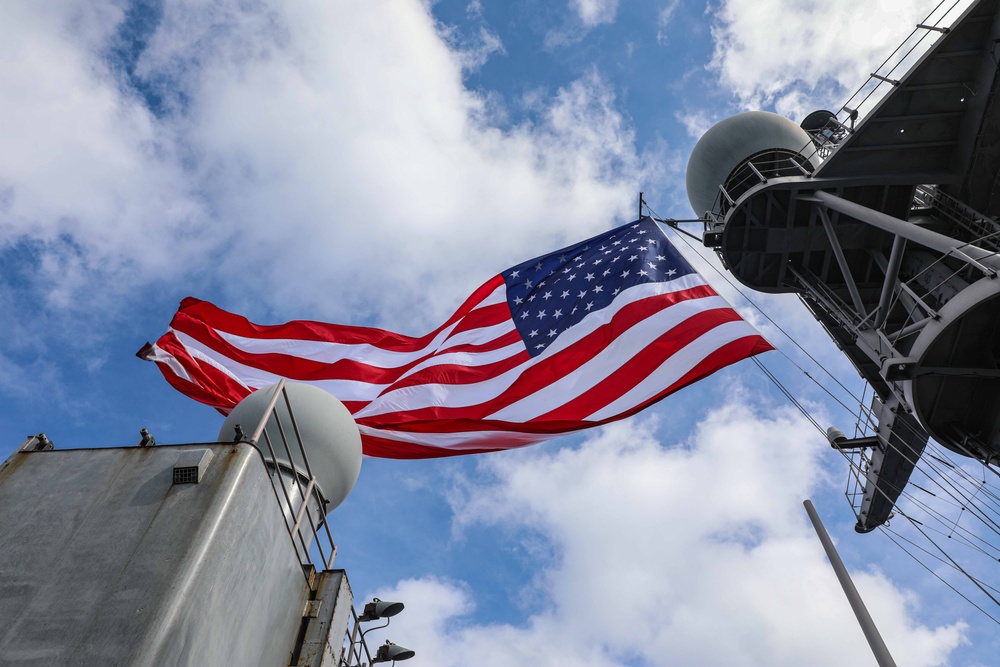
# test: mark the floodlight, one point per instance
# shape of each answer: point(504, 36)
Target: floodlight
point(377, 609)
point(389, 651)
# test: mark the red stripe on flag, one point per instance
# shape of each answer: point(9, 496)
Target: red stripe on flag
point(394, 449)
point(456, 374)
point(725, 355)
point(639, 366)
point(548, 370)
point(301, 368)
point(486, 316)
point(209, 385)
point(323, 332)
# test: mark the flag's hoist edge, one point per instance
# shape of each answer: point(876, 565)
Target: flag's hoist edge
point(580, 337)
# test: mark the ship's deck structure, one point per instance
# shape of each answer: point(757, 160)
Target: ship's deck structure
point(212, 553)
point(891, 241)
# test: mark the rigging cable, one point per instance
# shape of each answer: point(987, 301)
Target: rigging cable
point(958, 495)
point(776, 326)
point(889, 534)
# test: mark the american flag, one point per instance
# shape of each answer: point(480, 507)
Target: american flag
point(580, 337)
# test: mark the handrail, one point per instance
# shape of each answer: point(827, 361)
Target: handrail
point(323, 544)
point(902, 58)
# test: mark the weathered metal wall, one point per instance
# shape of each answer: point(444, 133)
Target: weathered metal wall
point(104, 561)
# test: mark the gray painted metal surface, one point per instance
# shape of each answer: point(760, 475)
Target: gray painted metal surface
point(874, 637)
point(892, 243)
point(104, 561)
point(327, 617)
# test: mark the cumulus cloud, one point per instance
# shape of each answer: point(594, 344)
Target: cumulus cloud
point(292, 151)
point(658, 553)
point(92, 186)
point(475, 54)
point(799, 56)
point(697, 123)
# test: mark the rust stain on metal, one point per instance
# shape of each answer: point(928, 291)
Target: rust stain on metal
point(15, 461)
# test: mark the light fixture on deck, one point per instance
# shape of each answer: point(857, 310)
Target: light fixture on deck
point(389, 651)
point(377, 609)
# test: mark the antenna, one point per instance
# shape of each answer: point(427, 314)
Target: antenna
point(882, 217)
point(874, 637)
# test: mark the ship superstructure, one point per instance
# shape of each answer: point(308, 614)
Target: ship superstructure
point(883, 218)
point(214, 553)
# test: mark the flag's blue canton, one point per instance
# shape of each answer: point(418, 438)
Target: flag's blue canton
point(549, 294)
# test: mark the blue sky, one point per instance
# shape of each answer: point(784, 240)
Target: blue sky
point(372, 163)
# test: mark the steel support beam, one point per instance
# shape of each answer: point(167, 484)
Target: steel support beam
point(891, 274)
point(984, 260)
point(845, 269)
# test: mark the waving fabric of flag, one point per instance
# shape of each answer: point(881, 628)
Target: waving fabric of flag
point(580, 337)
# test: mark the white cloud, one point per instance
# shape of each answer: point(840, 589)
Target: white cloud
point(475, 55)
point(88, 176)
point(660, 552)
point(799, 56)
point(306, 145)
point(585, 16)
point(473, 50)
point(696, 123)
point(663, 21)
point(594, 12)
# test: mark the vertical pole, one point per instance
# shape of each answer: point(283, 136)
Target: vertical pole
point(878, 646)
point(640, 206)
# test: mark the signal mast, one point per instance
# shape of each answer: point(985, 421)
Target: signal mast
point(882, 218)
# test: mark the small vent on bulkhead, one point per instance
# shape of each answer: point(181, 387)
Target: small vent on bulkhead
point(190, 467)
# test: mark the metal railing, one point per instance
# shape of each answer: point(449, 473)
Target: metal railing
point(355, 649)
point(757, 170)
point(825, 138)
point(304, 532)
point(860, 459)
point(303, 529)
point(886, 76)
point(979, 229)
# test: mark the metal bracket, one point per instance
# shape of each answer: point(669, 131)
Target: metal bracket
point(312, 608)
point(935, 28)
point(899, 368)
point(147, 439)
point(36, 443)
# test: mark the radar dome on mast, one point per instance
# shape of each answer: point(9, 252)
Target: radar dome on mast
point(883, 217)
point(772, 143)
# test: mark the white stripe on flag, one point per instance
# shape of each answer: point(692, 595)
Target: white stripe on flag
point(327, 352)
point(255, 378)
point(160, 355)
point(676, 366)
point(608, 360)
point(429, 395)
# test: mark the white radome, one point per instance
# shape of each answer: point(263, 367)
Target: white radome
point(728, 144)
point(329, 434)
